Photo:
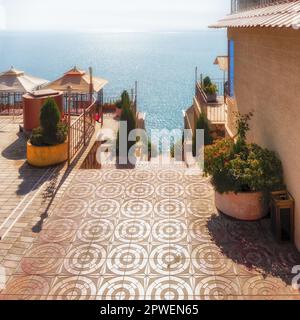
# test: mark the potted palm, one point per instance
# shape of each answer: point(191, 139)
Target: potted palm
point(243, 174)
point(48, 143)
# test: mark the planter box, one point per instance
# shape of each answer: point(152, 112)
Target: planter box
point(211, 97)
point(241, 206)
point(47, 155)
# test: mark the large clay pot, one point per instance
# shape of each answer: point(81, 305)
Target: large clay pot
point(247, 206)
point(47, 155)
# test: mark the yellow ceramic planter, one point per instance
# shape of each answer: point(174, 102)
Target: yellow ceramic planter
point(47, 155)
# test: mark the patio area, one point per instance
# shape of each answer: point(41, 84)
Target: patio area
point(149, 233)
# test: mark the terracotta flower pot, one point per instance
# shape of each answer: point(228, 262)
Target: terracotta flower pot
point(247, 206)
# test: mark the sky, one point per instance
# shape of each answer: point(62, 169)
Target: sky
point(110, 15)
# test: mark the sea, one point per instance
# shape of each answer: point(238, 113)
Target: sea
point(162, 63)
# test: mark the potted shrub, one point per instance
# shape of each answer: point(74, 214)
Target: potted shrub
point(210, 89)
point(47, 145)
point(243, 174)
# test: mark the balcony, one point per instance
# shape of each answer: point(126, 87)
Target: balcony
point(243, 5)
point(215, 111)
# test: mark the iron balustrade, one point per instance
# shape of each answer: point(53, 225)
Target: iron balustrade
point(11, 103)
point(81, 131)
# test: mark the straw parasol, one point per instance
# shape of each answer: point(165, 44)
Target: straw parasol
point(16, 81)
point(79, 80)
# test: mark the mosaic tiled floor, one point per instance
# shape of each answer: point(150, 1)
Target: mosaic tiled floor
point(150, 233)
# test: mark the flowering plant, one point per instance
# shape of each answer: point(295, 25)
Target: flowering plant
point(241, 167)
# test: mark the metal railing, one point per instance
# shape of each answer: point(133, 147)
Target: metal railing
point(215, 112)
point(242, 5)
point(81, 131)
point(11, 103)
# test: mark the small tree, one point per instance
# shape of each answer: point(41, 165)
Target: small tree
point(128, 117)
point(202, 124)
point(125, 99)
point(49, 119)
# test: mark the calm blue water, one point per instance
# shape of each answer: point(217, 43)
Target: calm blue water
point(162, 63)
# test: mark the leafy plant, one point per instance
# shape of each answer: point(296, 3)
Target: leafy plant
point(202, 124)
point(211, 89)
point(241, 167)
point(128, 116)
point(36, 138)
point(206, 82)
point(51, 130)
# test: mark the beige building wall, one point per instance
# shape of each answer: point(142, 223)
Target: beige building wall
point(267, 81)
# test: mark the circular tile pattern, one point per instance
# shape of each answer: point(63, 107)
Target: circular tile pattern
point(200, 208)
point(166, 259)
point(199, 230)
point(27, 287)
point(81, 190)
point(110, 190)
point(170, 190)
point(46, 250)
point(170, 175)
point(170, 208)
point(41, 265)
point(132, 230)
point(136, 208)
point(72, 208)
point(59, 230)
point(142, 176)
point(121, 288)
point(73, 288)
point(169, 288)
point(85, 259)
point(115, 176)
point(104, 208)
point(127, 259)
point(199, 190)
point(139, 190)
point(88, 176)
point(206, 259)
point(259, 286)
point(169, 230)
point(217, 288)
point(96, 230)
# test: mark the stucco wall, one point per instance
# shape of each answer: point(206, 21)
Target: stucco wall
point(267, 81)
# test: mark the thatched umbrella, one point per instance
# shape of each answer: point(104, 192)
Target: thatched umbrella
point(80, 81)
point(15, 81)
point(13, 84)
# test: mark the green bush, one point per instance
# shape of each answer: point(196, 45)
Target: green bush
point(125, 99)
point(202, 124)
point(51, 131)
point(241, 167)
point(49, 119)
point(128, 116)
point(36, 138)
point(206, 82)
point(211, 89)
